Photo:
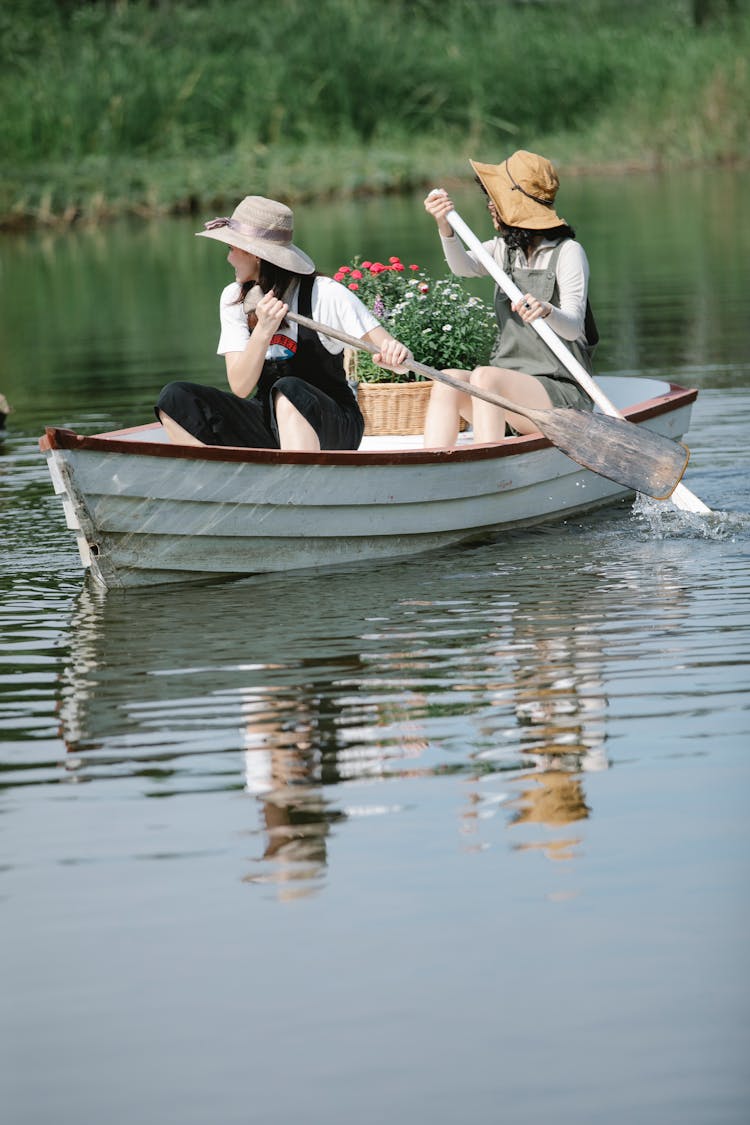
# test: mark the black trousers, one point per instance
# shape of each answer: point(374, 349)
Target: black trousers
point(218, 417)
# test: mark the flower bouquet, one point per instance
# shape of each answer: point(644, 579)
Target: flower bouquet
point(438, 320)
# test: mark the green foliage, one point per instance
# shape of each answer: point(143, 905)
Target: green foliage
point(443, 325)
point(437, 319)
point(166, 85)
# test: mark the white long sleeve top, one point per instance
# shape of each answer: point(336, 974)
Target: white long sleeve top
point(572, 275)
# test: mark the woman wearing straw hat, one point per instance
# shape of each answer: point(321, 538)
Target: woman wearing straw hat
point(538, 250)
point(301, 397)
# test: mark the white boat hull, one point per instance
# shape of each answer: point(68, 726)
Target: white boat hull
point(145, 512)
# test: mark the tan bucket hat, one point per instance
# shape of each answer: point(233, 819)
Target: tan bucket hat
point(523, 189)
point(263, 227)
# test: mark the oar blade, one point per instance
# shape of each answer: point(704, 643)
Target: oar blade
point(637, 458)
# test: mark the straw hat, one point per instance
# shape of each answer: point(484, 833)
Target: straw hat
point(523, 189)
point(263, 227)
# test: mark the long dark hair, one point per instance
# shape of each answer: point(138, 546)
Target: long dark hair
point(270, 277)
point(520, 238)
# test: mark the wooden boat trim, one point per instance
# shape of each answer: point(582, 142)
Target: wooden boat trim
point(115, 442)
point(56, 438)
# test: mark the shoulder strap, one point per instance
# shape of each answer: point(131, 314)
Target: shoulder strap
point(304, 300)
point(552, 263)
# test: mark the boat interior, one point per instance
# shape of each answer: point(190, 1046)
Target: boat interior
point(622, 391)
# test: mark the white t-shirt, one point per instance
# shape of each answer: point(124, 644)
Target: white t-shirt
point(332, 304)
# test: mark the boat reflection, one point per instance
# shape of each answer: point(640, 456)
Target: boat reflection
point(321, 699)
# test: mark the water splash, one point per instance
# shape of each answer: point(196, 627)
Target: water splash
point(663, 521)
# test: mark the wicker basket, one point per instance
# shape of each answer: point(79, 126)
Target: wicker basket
point(390, 408)
point(393, 408)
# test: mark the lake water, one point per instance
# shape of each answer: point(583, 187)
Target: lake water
point(458, 839)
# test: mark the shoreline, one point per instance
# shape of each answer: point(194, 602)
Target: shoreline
point(56, 199)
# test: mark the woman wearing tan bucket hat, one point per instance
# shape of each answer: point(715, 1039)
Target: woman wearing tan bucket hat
point(301, 397)
point(538, 250)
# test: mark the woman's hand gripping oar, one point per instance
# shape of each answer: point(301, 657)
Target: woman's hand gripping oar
point(637, 459)
point(680, 496)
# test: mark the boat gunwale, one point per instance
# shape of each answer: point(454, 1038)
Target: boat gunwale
point(63, 438)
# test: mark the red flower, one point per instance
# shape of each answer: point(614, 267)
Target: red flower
point(377, 267)
point(366, 265)
point(352, 285)
point(339, 276)
point(394, 260)
point(345, 269)
point(357, 274)
point(413, 267)
point(398, 267)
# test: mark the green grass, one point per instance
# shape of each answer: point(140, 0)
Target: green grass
point(149, 108)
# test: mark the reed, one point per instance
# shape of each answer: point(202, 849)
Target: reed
point(142, 107)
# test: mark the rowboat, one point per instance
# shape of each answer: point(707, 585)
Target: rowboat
point(145, 511)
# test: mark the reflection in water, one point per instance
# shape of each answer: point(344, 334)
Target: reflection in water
point(554, 798)
point(291, 753)
point(439, 673)
point(561, 708)
point(559, 705)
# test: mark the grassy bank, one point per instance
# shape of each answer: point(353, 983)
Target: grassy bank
point(149, 108)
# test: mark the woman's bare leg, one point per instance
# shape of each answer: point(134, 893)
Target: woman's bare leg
point(446, 408)
point(489, 421)
point(295, 432)
point(176, 434)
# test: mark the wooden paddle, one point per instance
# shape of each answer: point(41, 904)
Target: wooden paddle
point(612, 447)
point(681, 496)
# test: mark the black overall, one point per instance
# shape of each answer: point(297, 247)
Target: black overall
point(312, 379)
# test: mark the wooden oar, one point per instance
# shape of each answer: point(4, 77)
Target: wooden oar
point(681, 496)
point(612, 447)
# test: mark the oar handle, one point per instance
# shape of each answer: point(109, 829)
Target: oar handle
point(413, 365)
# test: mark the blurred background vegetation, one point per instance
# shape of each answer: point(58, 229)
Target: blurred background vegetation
point(129, 106)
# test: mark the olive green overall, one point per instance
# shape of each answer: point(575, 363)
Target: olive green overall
point(520, 348)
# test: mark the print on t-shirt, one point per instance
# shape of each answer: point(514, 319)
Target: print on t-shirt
point(281, 347)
